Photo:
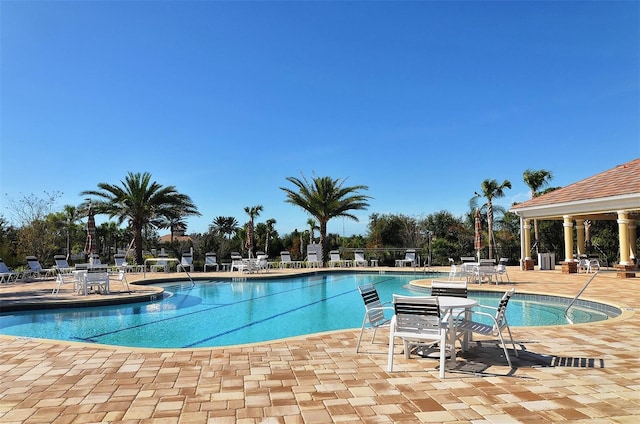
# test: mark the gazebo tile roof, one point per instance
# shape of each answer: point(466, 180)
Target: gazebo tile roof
point(619, 181)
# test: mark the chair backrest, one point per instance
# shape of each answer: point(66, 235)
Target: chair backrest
point(119, 259)
point(262, 260)
point(372, 304)
point(449, 288)
point(467, 259)
point(335, 255)
point(410, 255)
point(94, 259)
point(61, 261)
point(187, 259)
point(235, 256)
point(34, 263)
point(285, 256)
point(358, 255)
point(312, 257)
point(210, 259)
point(3, 267)
point(501, 313)
point(417, 314)
point(487, 262)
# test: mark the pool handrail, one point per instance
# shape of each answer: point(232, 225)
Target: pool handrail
point(566, 311)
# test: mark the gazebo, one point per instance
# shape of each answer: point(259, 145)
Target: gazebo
point(610, 195)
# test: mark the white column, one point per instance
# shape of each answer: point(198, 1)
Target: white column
point(580, 237)
point(568, 238)
point(623, 235)
point(632, 239)
point(526, 227)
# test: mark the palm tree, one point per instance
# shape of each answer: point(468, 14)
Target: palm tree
point(253, 212)
point(269, 224)
point(491, 190)
point(325, 198)
point(142, 203)
point(71, 215)
point(225, 226)
point(312, 226)
point(536, 180)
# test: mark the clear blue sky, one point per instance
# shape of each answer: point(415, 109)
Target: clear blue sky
point(420, 101)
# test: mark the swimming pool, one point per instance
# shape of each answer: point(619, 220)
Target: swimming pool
point(222, 313)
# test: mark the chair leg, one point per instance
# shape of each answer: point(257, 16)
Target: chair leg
point(390, 357)
point(361, 332)
point(504, 348)
point(443, 353)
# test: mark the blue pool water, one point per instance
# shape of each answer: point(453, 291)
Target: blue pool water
point(221, 313)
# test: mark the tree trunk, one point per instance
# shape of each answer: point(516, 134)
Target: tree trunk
point(323, 240)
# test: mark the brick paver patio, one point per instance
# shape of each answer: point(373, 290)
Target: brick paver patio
point(584, 373)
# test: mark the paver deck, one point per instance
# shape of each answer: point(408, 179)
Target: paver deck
point(583, 373)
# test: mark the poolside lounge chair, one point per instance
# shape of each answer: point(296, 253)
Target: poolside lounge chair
point(336, 261)
point(96, 263)
point(236, 262)
point(417, 322)
point(498, 323)
point(261, 263)
point(121, 264)
point(186, 262)
point(62, 265)
point(409, 259)
point(313, 261)
point(210, 261)
point(501, 270)
point(8, 276)
point(358, 258)
point(161, 264)
point(36, 270)
point(374, 316)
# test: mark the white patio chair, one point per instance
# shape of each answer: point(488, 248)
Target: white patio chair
point(593, 265)
point(161, 265)
point(501, 270)
point(336, 261)
point(62, 265)
point(237, 263)
point(7, 275)
point(120, 276)
point(374, 316)
point(210, 261)
point(261, 263)
point(498, 322)
point(186, 262)
point(313, 261)
point(417, 322)
point(409, 259)
point(36, 270)
point(62, 279)
point(358, 259)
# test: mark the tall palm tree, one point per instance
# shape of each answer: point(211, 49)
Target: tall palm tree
point(142, 203)
point(492, 190)
point(71, 215)
point(325, 198)
point(269, 224)
point(312, 226)
point(253, 212)
point(225, 226)
point(536, 180)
